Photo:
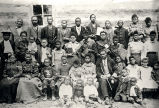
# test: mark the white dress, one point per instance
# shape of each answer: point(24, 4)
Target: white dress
point(146, 80)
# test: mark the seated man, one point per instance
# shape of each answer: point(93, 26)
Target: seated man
point(106, 75)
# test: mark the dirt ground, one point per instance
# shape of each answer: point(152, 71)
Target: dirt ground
point(147, 103)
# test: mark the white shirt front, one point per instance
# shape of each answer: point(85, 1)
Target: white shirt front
point(44, 54)
point(65, 90)
point(105, 65)
point(75, 46)
point(78, 29)
point(7, 47)
point(134, 71)
point(19, 30)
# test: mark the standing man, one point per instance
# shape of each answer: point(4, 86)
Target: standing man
point(106, 75)
point(92, 26)
point(78, 30)
point(17, 30)
point(49, 32)
point(35, 30)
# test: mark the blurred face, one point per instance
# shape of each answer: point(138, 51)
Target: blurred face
point(118, 59)
point(145, 63)
point(44, 43)
point(103, 36)
point(47, 62)
point(24, 37)
point(87, 59)
point(156, 66)
point(124, 73)
point(64, 60)
point(152, 37)
point(132, 61)
point(115, 41)
point(73, 39)
point(76, 65)
point(64, 24)
point(34, 21)
point(58, 45)
point(103, 54)
point(133, 83)
point(135, 20)
point(93, 18)
point(78, 22)
point(107, 24)
point(136, 37)
point(19, 23)
point(31, 39)
point(67, 81)
point(120, 23)
point(148, 24)
point(6, 36)
point(12, 59)
point(90, 81)
point(28, 57)
point(50, 20)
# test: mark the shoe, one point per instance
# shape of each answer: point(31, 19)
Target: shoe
point(45, 98)
point(53, 98)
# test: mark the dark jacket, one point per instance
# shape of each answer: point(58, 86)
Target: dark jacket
point(82, 33)
point(100, 67)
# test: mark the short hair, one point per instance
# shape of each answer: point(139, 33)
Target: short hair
point(115, 37)
point(144, 59)
point(103, 32)
point(92, 15)
point(152, 33)
point(135, 32)
point(133, 79)
point(131, 57)
point(121, 21)
point(63, 56)
point(33, 17)
point(23, 32)
point(87, 55)
point(47, 59)
point(64, 20)
point(32, 37)
point(77, 18)
point(133, 16)
point(44, 39)
point(148, 19)
point(76, 62)
point(58, 42)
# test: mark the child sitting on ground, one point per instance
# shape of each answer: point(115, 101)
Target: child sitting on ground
point(155, 72)
point(65, 91)
point(47, 76)
point(121, 92)
point(135, 94)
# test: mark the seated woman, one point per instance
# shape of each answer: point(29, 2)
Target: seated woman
point(28, 89)
point(9, 83)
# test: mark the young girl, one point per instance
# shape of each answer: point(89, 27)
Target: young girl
point(146, 79)
point(32, 47)
point(155, 72)
point(65, 91)
point(75, 72)
point(89, 69)
point(57, 53)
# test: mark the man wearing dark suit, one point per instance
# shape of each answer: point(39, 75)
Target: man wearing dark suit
point(105, 75)
point(78, 30)
point(50, 33)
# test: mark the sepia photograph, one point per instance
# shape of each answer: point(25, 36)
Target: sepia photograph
point(79, 53)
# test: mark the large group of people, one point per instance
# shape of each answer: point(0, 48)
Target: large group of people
point(77, 63)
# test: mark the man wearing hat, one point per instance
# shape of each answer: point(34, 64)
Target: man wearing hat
point(6, 47)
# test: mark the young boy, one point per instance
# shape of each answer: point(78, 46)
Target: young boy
point(65, 91)
point(136, 48)
point(121, 92)
point(117, 49)
point(57, 53)
point(135, 94)
point(48, 78)
point(152, 50)
point(32, 47)
point(122, 34)
point(44, 52)
point(72, 49)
